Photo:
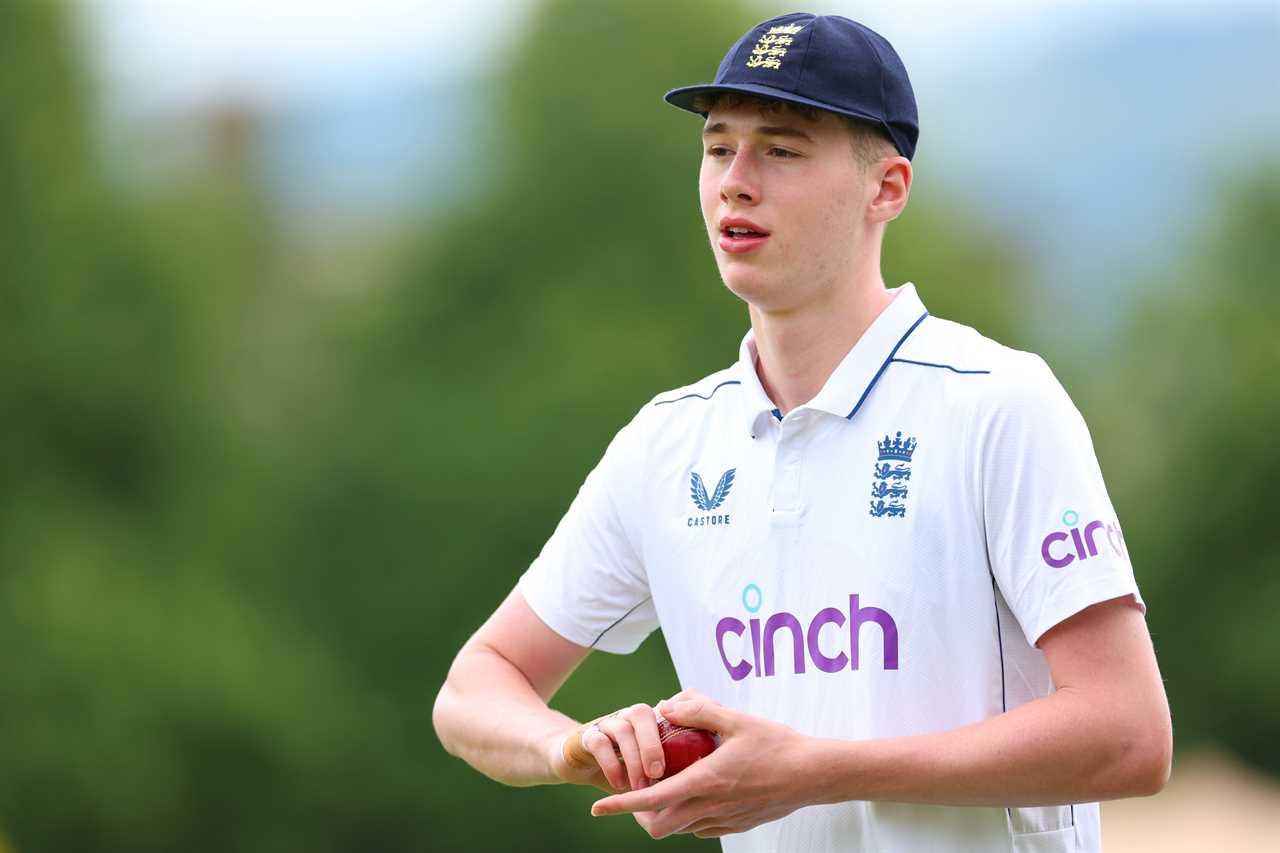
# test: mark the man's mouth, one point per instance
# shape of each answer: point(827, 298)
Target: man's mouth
point(739, 240)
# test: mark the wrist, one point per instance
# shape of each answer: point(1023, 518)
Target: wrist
point(834, 768)
point(807, 762)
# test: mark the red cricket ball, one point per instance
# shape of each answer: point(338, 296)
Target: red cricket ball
point(681, 745)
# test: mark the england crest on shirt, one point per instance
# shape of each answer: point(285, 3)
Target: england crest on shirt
point(891, 476)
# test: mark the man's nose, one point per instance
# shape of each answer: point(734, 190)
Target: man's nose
point(740, 182)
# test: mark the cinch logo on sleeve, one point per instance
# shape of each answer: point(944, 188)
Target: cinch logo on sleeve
point(1058, 554)
point(708, 503)
point(763, 637)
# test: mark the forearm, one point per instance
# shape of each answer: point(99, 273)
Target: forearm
point(489, 715)
point(1062, 748)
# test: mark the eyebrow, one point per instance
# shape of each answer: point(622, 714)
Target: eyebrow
point(794, 132)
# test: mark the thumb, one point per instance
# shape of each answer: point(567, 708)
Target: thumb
point(574, 753)
point(699, 714)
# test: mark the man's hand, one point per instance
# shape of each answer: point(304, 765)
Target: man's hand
point(617, 752)
point(755, 776)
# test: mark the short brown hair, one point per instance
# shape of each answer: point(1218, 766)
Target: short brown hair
point(869, 141)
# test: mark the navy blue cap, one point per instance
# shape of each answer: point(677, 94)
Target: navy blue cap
point(823, 61)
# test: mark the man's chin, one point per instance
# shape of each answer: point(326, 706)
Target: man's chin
point(753, 288)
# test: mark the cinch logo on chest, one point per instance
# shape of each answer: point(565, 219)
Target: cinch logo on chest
point(802, 639)
point(709, 503)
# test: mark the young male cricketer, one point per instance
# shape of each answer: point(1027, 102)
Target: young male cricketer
point(880, 540)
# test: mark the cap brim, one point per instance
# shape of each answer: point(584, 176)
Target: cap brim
point(683, 98)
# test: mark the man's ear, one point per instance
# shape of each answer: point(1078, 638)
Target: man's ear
point(894, 186)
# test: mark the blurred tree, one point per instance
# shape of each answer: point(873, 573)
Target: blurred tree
point(962, 273)
point(1196, 411)
point(147, 703)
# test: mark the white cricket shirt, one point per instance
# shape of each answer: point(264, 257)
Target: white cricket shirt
point(879, 562)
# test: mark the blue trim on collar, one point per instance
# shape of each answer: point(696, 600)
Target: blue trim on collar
point(879, 372)
point(699, 396)
point(930, 364)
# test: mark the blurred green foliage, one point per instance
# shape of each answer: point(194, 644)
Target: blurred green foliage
point(245, 525)
point(1191, 408)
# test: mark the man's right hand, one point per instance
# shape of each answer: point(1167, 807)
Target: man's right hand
point(617, 752)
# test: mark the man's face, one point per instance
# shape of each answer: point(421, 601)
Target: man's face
point(794, 179)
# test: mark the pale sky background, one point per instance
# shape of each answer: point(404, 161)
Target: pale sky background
point(1087, 128)
point(169, 52)
point(162, 52)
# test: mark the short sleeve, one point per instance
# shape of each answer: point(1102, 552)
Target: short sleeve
point(1054, 541)
point(588, 584)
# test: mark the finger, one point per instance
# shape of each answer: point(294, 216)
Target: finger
point(687, 693)
point(701, 714)
point(735, 818)
point(623, 734)
point(624, 738)
point(644, 723)
point(647, 821)
point(680, 817)
point(601, 748)
point(657, 796)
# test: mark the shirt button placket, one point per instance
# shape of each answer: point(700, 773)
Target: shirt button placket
point(787, 468)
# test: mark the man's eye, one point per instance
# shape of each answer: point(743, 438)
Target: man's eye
point(781, 153)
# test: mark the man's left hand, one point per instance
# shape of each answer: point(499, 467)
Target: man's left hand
point(757, 774)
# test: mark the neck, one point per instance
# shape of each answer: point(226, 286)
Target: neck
point(798, 350)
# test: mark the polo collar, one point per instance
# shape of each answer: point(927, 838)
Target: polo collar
point(851, 383)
